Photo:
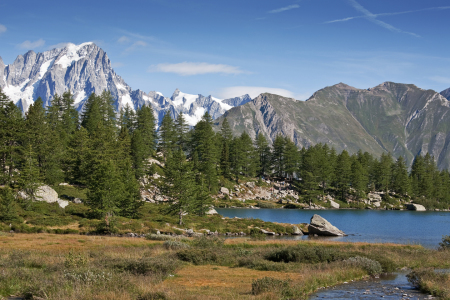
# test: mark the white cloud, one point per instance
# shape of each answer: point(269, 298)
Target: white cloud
point(253, 91)
point(441, 79)
point(123, 40)
point(2, 28)
point(28, 45)
point(195, 68)
point(278, 10)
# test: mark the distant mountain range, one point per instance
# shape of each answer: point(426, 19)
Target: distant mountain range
point(399, 118)
point(85, 69)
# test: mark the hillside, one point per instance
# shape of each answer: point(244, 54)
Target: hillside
point(400, 118)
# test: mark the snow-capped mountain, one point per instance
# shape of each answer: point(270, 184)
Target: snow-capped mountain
point(85, 69)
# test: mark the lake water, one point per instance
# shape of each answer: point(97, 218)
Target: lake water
point(375, 226)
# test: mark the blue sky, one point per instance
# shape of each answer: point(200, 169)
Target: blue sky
point(228, 48)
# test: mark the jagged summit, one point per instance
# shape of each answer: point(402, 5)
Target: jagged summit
point(84, 69)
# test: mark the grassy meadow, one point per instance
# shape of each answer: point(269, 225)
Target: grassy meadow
point(71, 266)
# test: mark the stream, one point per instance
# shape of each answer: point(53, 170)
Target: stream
point(390, 286)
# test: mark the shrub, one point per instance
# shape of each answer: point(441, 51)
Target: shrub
point(306, 254)
point(175, 245)
point(162, 266)
point(270, 284)
point(262, 204)
point(371, 266)
point(208, 242)
point(198, 256)
point(257, 235)
point(153, 296)
point(445, 244)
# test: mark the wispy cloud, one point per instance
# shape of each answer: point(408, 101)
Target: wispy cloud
point(390, 14)
point(372, 18)
point(28, 45)
point(289, 7)
point(195, 68)
point(441, 79)
point(252, 91)
point(138, 35)
point(123, 40)
point(136, 45)
point(117, 64)
point(2, 28)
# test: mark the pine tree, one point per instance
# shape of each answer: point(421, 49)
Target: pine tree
point(128, 118)
point(264, 155)
point(181, 128)
point(11, 135)
point(179, 184)
point(359, 178)
point(400, 182)
point(138, 153)
point(291, 158)
point(8, 210)
point(248, 157)
point(167, 135)
point(29, 179)
point(343, 173)
point(278, 155)
point(384, 172)
point(227, 137)
point(146, 125)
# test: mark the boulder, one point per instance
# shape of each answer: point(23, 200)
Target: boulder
point(212, 211)
point(62, 203)
point(47, 194)
point(250, 184)
point(416, 207)
point(267, 232)
point(77, 201)
point(320, 226)
point(334, 204)
point(296, 231)
point(224, 191)
point(373, 197)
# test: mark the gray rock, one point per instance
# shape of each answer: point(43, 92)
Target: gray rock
point(47, 194)
point(250, 184)
point(296, 231)
point(212, 211)
point(267, 232)
point(416, 207)
point(77, 201)
point(224, 191)
point(334, 204)
point(320, 226)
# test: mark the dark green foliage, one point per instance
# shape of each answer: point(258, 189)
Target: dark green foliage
point(198, 256)
point(306, 254)
point(270, 284)
point(445, 243)
point(8, 210)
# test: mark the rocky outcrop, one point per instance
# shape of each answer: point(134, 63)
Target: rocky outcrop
point(416, 207)
point(212, 211)
point(224, 191)
point(320, 226)
point(334, 204)
point(45, 193)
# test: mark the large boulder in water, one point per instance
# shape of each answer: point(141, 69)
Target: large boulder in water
point(320, 226)
point(416, 207)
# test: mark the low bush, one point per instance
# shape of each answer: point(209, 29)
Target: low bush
point(445, 243)
point(371, 266)
point(159, 266)
point(270, 284)
point(257, 235)
point(306, 254)
point(175, 245)
point(198, 256)
point(430, 281)
point(208, 242)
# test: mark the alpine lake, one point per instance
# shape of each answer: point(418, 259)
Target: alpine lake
point(377, 226)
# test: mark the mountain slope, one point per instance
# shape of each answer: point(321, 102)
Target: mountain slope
point(400, 118)
point(85, 69)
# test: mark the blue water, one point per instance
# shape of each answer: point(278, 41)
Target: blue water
point(375, 226)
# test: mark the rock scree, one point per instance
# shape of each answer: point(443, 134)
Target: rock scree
point(320, 226)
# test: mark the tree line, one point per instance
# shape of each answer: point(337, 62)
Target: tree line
point(108, 152)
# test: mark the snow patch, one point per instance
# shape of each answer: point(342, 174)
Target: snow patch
point(80, 97)
point(184, 99)
point(71, 55)
point(193, 119)
point(120, 87)
point(126, 99)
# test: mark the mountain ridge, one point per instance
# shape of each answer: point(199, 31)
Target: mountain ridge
point(84, 69)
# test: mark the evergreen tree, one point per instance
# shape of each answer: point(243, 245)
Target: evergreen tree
point(179, 184)
point(291, 158)
point(8, 211)
point(225, 160)
point(278, 155)
point(359, 178)
point(128, 118)
point(248, 159)
point(11, 135)
point(343, 173)
point(138, 153)
point(167, 135)
point(384, 172)
point(400, 180)
point(181, 129)
point(264, 155)
point(29, 179)
point(146, 125)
